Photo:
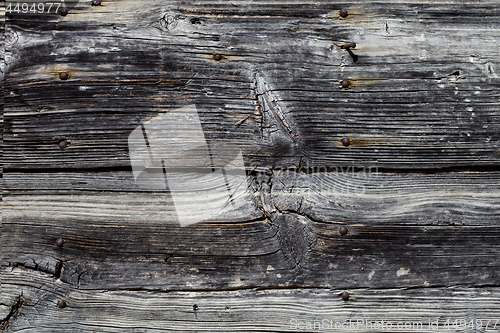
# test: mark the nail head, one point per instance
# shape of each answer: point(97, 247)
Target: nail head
point(63, 144)
point(346, 142)
point(343, 231)
point(63, 76)
point(343, 13)
point(218, 57)
point(352, 45)
point(60, 242)
point(96, 2)
point(63, 11)
point(345, 295)
point(62, 304)
point(345, 84)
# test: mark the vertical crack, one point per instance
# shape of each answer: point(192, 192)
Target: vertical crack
point(271, 104)
point(14, 311)
point(58, 269)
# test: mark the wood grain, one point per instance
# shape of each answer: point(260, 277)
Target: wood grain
point(253, 310)
point(2, 77)
point(422, 94)
point(442, 228)
point(417, 188)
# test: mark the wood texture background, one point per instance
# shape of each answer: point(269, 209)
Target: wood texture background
point(418, 188)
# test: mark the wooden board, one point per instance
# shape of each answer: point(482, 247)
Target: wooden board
point(423, 95)
point(405, 231)
point(253, 310)
point(418, 188)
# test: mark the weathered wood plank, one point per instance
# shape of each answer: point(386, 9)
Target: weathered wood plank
point(257, 310)
point(422, 95)
point(405, 230)
point(342, 194)
point(2, 77)
point(4, 308)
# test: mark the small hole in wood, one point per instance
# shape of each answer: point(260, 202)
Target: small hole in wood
point(195, 20)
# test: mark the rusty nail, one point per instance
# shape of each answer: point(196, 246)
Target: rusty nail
point(63, 11)
point(60, 242)
point(63, 144)
point(345, 295)
point(354, 57)
point(348, 46)
point(218, 57)
point(343, 231)
point(346, 142)
point(343, 13)
point(62, 304)
point(96, 2)
point(63, 76)
point(345, 84)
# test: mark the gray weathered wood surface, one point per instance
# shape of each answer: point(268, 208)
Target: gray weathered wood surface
point(418, 188)
point(253, 310)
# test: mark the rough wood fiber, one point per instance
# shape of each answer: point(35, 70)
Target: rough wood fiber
point(418, 188)
point(254, 310)
point(424, 91)
point(2, 75)
point(442, 228)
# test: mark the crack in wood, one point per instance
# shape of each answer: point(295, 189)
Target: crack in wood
point(14, 311)
point(54, 272)
point(271, 102)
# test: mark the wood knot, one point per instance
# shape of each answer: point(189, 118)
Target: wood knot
point(169, 20)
